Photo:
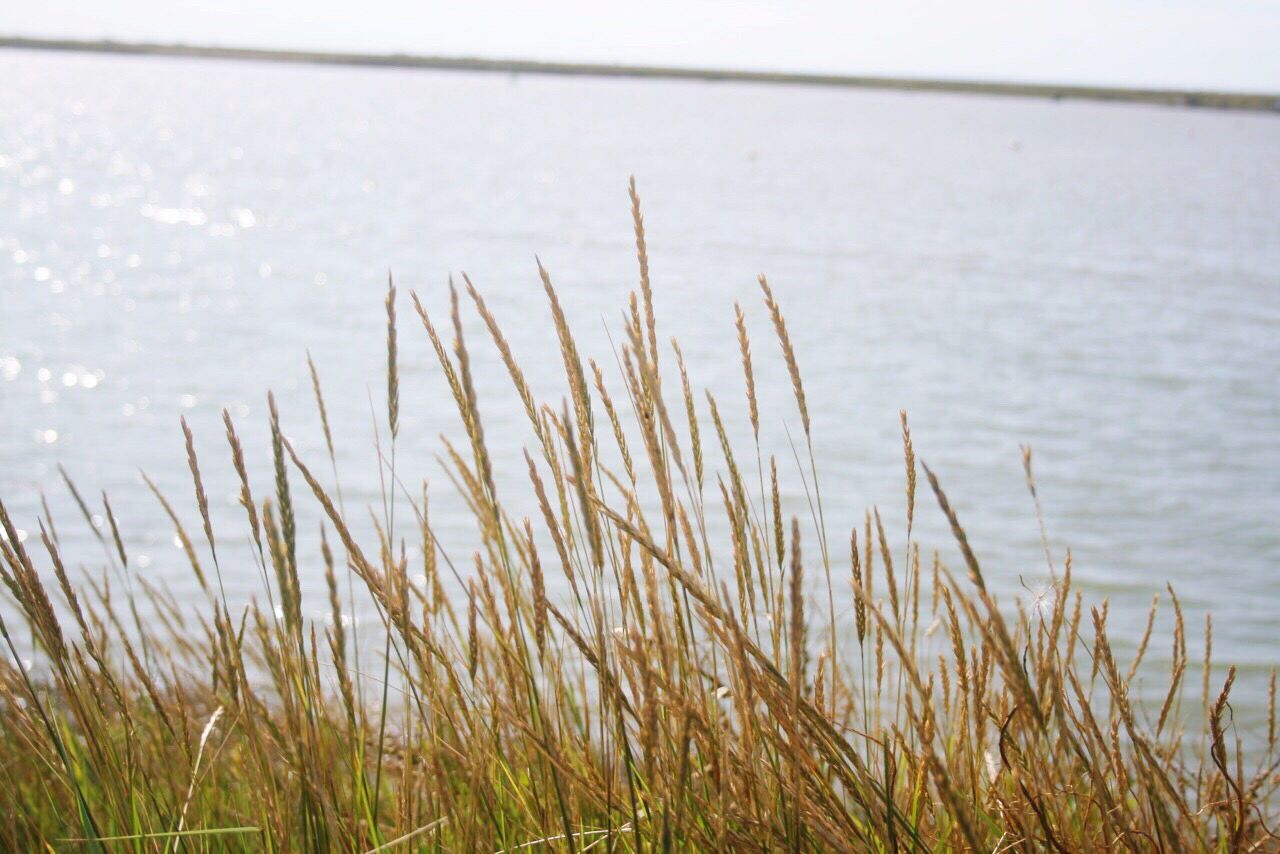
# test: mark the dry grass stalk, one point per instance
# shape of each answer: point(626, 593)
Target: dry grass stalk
point(788, 351)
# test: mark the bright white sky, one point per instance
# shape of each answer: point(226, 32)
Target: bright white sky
point(1211, 44)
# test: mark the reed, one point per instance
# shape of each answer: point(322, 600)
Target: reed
point(630, 662)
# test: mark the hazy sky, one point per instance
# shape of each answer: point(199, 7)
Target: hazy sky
point(1216, 44)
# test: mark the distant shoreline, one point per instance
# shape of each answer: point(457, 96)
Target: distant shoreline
point(1254, 102)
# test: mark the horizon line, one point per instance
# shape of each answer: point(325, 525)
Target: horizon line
point(1212, 99)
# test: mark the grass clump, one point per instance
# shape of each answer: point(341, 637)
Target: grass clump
point(643, 656)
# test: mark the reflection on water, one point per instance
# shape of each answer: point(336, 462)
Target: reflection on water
point(1100, 281)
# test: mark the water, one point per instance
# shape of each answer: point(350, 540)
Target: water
point(1099, 281)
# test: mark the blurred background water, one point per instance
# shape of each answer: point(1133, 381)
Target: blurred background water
point(1099, 281)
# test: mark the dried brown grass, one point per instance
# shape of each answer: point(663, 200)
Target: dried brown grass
point(616, 677)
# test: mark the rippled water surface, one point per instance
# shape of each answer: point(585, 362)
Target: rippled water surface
point(1099, 281)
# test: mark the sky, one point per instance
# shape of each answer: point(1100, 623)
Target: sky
point(1208, 44)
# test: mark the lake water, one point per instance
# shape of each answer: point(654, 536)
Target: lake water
point(1099, 281)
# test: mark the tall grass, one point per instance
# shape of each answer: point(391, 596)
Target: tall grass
point(643, 655)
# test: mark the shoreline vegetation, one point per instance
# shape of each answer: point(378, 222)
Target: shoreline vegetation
point(1247, 101)
point(649, 651)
